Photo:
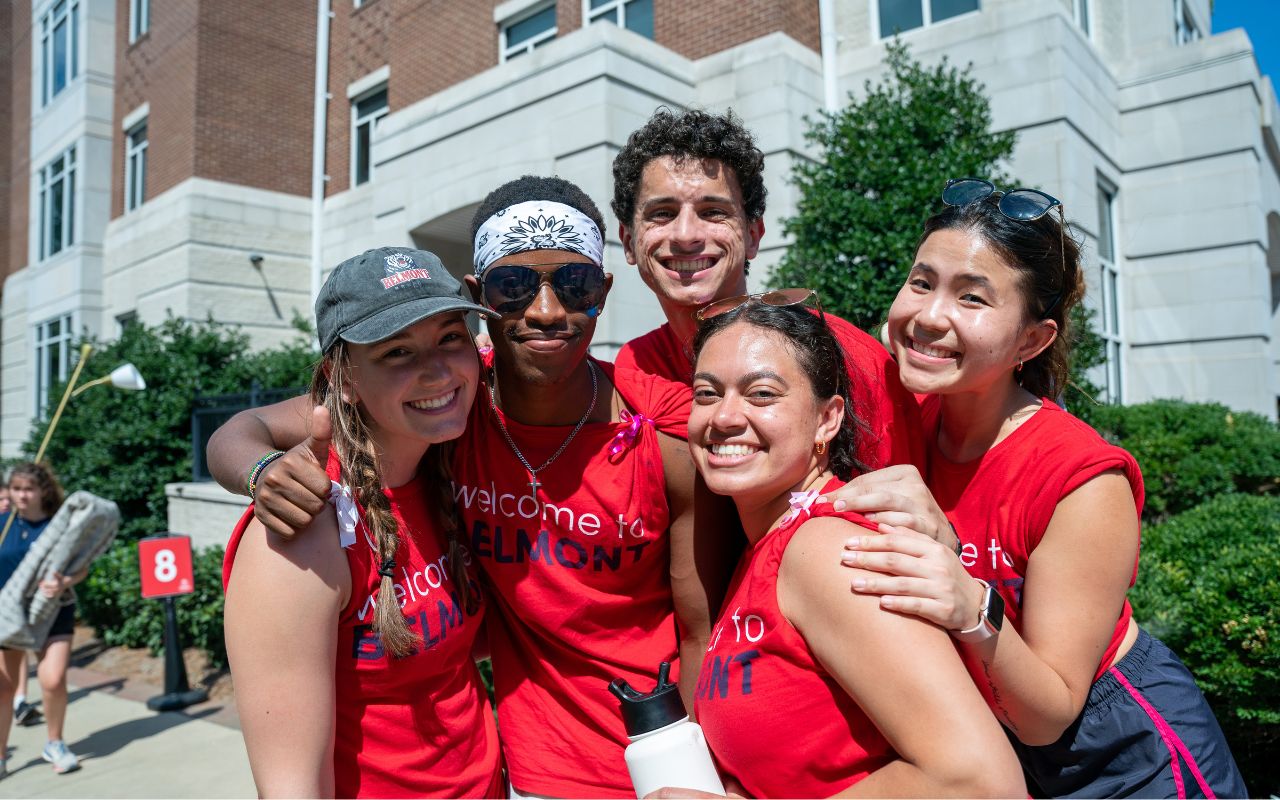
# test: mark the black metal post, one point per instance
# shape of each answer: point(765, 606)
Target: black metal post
point(177, 691)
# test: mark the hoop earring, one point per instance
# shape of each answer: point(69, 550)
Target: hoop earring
point(820, 447)
point(1019, 367)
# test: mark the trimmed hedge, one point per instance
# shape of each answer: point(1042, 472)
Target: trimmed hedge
point(1209, 587)
point(1192, 452)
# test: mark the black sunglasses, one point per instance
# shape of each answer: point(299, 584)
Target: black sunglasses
point(512, 287)
point(1023, 205)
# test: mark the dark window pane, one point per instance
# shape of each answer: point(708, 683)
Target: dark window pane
point(55, 217)
point(59, 58)
point(371, 104)
point(527, 28)
point(946, 9)
point(900, 15)
point(1084, 16)
point(640, 17)
point(598, 3)
point(362, 152)
point(609, 16)
point(75, 36)
point(70, 209)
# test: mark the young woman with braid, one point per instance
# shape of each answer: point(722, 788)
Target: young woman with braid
point(352, 646)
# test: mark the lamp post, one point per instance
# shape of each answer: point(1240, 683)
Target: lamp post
point(125, 376)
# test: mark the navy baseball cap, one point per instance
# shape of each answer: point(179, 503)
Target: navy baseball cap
point(379, 293)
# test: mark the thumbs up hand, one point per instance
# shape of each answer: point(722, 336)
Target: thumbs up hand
point(294, 488)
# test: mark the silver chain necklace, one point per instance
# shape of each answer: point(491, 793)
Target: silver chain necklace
point(502, 426)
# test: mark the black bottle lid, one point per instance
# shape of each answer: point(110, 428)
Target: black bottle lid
point(643, 713)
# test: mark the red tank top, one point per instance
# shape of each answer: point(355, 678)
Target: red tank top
point(580, 579)
point(420, 725)
point(1001, 503)
point(776, 721)
point(890, 412)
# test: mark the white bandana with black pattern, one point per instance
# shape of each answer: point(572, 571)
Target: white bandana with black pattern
point(537, 225)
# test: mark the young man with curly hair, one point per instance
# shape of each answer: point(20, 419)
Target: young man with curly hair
point(689, 194)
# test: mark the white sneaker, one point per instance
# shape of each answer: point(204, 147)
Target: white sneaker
point(62, 759)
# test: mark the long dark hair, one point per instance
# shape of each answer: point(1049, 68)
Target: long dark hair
point(820, 358)
point(1047, 260)
point(358, 458)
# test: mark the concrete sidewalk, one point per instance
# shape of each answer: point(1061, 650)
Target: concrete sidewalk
point(127, 750)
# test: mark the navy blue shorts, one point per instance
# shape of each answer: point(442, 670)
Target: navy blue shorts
point(1145, 731)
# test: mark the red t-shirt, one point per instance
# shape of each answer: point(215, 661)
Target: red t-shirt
point(891, 413)
point(1001, 503)
point(580, 578)
point(776, 721)
point(420, 725)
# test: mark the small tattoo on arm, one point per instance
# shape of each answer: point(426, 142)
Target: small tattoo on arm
point(1001, 711)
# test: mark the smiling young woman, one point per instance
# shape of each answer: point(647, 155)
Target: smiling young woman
point(771, 427)
point(1046, 512)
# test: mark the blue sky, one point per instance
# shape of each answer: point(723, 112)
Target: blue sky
point(1261, 19)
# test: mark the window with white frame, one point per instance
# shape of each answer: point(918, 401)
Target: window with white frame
point(59, 48)
point(53, 356)
point(139, 19)
point(898, 16)
point(634, 15)
point(1082, 16)
point(135, 166)
point(1185, 29)
point(366, 111)
point(523, 33)
point(57, 181)
point(1109, 323)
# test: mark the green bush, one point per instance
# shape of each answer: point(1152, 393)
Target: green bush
point(1193, 452)
point(1209, 587)
point(125, 446)
point(111, 601)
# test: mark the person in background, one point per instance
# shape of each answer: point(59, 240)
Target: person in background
point(772, 429)
point(352, 648)
point(1047, 516)
point(35, 496)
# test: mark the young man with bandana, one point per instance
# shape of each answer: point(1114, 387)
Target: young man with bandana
point(580, 513)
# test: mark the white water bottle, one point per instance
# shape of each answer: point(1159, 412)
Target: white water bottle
point(667, 749)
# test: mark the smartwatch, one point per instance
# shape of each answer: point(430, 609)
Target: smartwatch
point(990, 617)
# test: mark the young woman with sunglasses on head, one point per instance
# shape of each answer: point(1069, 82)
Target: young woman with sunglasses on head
point(1046, 513)
point(352, 647)
point(795, 699)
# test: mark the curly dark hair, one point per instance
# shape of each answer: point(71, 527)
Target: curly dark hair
point(536, 187)
point(820, 357)
point(51, 491)
point(684, 135)
point(1047, 260)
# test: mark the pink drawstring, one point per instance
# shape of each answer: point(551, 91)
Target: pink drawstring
point(1171, 741)
point(627, 436)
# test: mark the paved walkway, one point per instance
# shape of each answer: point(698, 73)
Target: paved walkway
point(127, 750)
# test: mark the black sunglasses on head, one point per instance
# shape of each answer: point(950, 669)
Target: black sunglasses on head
point(1023, 205)
point(512, 287)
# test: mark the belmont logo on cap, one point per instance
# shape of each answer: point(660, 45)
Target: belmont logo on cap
point(401, 268)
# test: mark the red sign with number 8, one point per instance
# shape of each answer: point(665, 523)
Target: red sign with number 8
point(165, 565)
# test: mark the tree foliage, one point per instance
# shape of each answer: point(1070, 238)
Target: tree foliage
point(125, 446)
point(881, 167)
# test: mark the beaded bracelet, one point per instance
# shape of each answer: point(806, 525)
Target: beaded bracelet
point(256, 472)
